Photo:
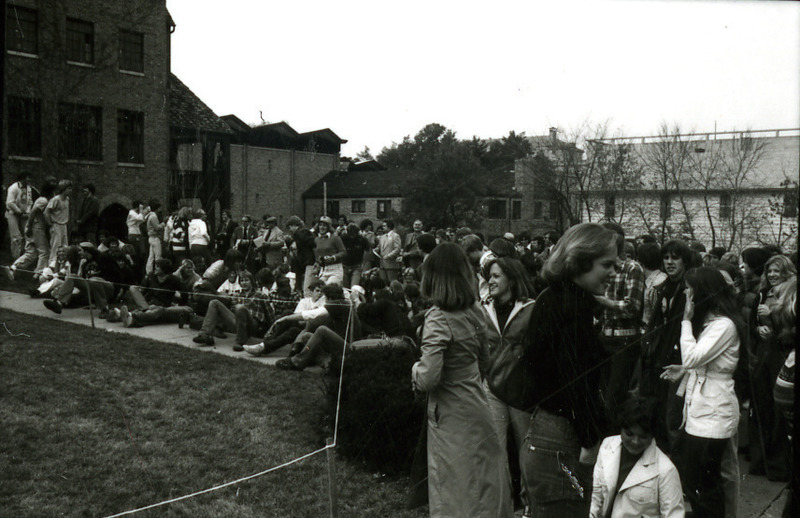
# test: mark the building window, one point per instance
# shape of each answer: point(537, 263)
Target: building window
point(24, 127)
point(496, 209)
point(22, 30)
point(130, 137)
point(553, 210)
point(384, 209)
point(80, 130)
point(80, 41)
point(665, 206)
point(358, 206)
point(724, 206)
point(516, 209)
point(790, 204)
point(131, 51)
point(332, 209)
point(537, 210)
point(611, 206)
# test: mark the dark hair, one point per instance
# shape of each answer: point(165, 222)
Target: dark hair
point(648, 238)
point(577, 250)
point(315, 283)
point(712, 294)
point(755, 258)
point(49, 187)
point(389, 224)
point(265, 277)
point(718, 251)
point(135, 204)
point(519, 283)
point(333, 292)
point(471, 243)
point(679, 248)
point(232, 257)
point(23, 175)
point(616, 227)
point(638, 411)
point(352, 229)
point(164, 263)
point(426, 243)
point(503, 248)
point(295, 221)
point(154, 204)
point(89, 187)
point(649, 256)
point(366, 223)
point(63, 185)
point(447, 278)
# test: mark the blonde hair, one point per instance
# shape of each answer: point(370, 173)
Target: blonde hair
point(577, 250)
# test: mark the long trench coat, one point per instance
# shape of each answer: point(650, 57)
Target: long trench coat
point(465, 475)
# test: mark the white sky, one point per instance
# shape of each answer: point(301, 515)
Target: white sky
point(374, 71)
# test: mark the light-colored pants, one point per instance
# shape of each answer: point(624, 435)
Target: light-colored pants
point(58, 238)
point(16, 225)
point(37, 252)
point(332, 274)
point(154, 255)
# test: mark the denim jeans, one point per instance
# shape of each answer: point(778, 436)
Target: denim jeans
point(557, 484)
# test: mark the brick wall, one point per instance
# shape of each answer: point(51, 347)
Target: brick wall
point(267, 180)
point(52, 80)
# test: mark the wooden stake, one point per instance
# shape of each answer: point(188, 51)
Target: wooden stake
point(332, 492)
point(89, 293)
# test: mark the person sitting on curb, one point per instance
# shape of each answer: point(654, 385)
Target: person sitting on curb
point(214, 276)
point(325, 334)
point(286, 327)
point(87, 280)
point(152, 301)
point(252, 312)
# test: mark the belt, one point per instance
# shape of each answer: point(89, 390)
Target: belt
point(620, 332)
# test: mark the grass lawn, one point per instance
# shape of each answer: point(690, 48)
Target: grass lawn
point(95, 423)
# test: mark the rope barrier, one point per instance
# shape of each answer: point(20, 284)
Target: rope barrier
point(221, 486)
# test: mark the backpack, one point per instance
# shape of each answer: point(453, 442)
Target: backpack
point(508, 377)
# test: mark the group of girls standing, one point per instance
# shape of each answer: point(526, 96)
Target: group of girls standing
point(686, 404)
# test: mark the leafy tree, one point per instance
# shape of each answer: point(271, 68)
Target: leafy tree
point(446, 181)
point(502, 153)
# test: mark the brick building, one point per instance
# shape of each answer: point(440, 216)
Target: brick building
point(86, 95)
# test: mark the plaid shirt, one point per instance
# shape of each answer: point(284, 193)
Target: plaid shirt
point(284, 305)
point(627, 292)
point(260, 308)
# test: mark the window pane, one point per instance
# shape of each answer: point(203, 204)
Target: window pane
point(130, 137)
point(131, 51)
point(22, 30)
point(496, 209)
point(516, 209)
point(80, 131)
point(80, 41)
point(359, 206)
point(24, 127)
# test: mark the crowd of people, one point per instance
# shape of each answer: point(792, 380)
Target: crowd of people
point(648, 366)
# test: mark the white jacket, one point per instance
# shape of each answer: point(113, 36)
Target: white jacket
point(652, 488)
point(710, 408)
point(198, 232)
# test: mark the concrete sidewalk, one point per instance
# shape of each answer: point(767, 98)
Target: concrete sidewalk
point(168, 333)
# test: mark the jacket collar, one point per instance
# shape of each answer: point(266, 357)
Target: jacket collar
point(644, 469)
point(518, 306)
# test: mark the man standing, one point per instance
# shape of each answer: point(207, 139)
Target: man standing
point(86, 224)
point(154, 230)
point(621, 325)
point(242, 240)
point(56, 214)
point(411, 254)
point(302, 242)
point(199, 240)
point(272, 249)
point(18, 202)
point(389, 248)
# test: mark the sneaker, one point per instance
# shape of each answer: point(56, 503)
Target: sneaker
point(127, 317)
point(114, 315)
point(123, 313)
point(10, 272)
point(287, 364)
point(53, 305)
point(255, 349)
point(203, 339)
point(238, 348)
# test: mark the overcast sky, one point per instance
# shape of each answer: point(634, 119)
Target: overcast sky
point(374, 71)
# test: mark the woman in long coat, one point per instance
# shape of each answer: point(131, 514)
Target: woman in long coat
point(465, 473)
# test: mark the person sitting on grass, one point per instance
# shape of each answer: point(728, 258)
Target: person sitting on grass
point(632, 476)
point(326, 333)
point(89, 282)
point(153, 301)
point(251, 315)
point(286, 328)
